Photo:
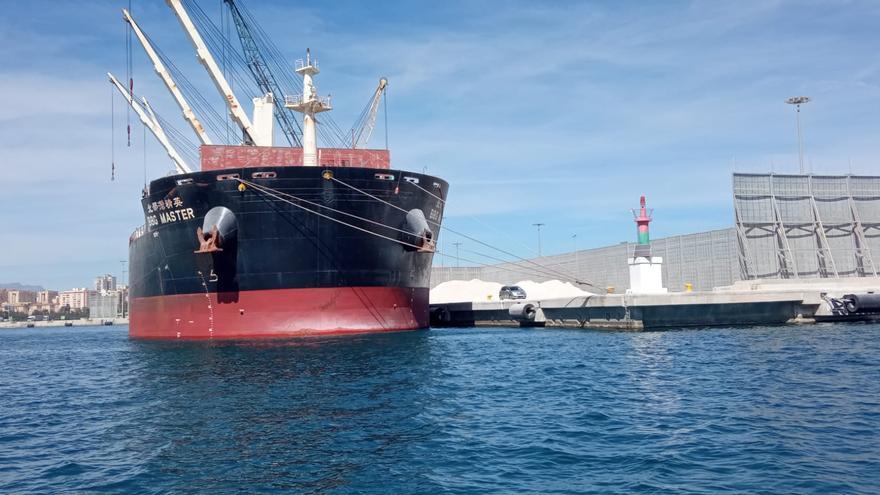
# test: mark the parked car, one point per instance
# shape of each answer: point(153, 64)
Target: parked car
point(511, 292)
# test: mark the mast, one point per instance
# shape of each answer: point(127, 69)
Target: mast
point(163, 73)
point(251, 136)
point(309, 103)
point(153, 125)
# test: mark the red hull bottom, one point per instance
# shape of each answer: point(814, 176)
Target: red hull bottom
point(279, 313)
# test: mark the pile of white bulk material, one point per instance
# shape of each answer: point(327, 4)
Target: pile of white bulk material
point(465, 291)
point(479, 291)
point(550, 289)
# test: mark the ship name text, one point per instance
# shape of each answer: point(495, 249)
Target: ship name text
point(170, 216)
point(166, 211)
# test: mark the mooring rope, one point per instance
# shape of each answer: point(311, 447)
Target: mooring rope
point(266, 191)
point(524, 260)
point(484, 224)
point(334, 210)
point(428, 192)
point(277, 194)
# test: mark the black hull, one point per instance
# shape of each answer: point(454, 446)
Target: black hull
point(277, 245)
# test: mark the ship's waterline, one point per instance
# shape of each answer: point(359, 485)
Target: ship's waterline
point(280, 313)
point(283, 251)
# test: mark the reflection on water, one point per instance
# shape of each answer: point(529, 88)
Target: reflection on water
point(649, 362)
point(779, 409)
point(323, 410)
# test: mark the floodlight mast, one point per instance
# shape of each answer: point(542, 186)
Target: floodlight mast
point(798, 101)
point(539, 225)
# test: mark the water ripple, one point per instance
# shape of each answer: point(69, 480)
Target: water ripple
point(746, 410)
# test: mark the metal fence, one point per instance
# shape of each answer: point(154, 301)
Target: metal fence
point(705, 260)
point(103, 304)
point(798, 226)
point(785, 226)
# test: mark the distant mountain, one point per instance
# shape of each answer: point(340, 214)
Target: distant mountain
point(20, 286)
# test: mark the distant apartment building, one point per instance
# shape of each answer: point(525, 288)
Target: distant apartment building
point(46, 297)
point(74, 298)
point(105, 282)
point(18, 308)
point(16, 297)
point(4, 295)
point(39, 308)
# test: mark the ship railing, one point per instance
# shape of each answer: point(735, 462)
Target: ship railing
point(137, 234)
point(294, 100)
point(300, 63)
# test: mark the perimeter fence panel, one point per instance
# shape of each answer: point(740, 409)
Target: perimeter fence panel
point(866, 205)
point(786, 226)
point(791, 226)
point(758, 246)
point(869, 211)
point(704, 259)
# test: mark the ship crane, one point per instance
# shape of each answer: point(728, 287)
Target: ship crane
point(363, 128)
point(163, 73)
point(262, 73)
point(260, 135)
point(152, 124)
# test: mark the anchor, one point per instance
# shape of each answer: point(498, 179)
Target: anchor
point(208, 242)
point(426, 243)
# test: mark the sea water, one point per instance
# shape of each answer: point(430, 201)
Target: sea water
point(747, 410)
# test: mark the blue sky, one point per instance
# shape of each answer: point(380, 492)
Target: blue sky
point(561, 113)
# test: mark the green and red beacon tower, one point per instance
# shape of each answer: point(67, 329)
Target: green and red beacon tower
point(645, 271)
point(643, 220)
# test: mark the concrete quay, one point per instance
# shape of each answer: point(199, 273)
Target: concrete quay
point(62, 323)
point(773, 302)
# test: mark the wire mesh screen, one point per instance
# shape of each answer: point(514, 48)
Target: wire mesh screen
point(829, 187)
point(786, 226)
point(790, 186)
point(867, 187)
point(705, 260)
point(792, 226)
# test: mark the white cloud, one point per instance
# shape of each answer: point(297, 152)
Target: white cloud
point(566, 111)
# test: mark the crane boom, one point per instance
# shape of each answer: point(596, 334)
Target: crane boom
point(163, 73)
point(362, 135)
point(153, 125)
point(207, 60)
point(263, 76)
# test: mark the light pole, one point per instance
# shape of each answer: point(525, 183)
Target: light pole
point(457, 259)
point(797, 101)
point(577, 264)
point(539, 225)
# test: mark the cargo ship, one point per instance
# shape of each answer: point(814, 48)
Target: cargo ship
point(271, 241)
